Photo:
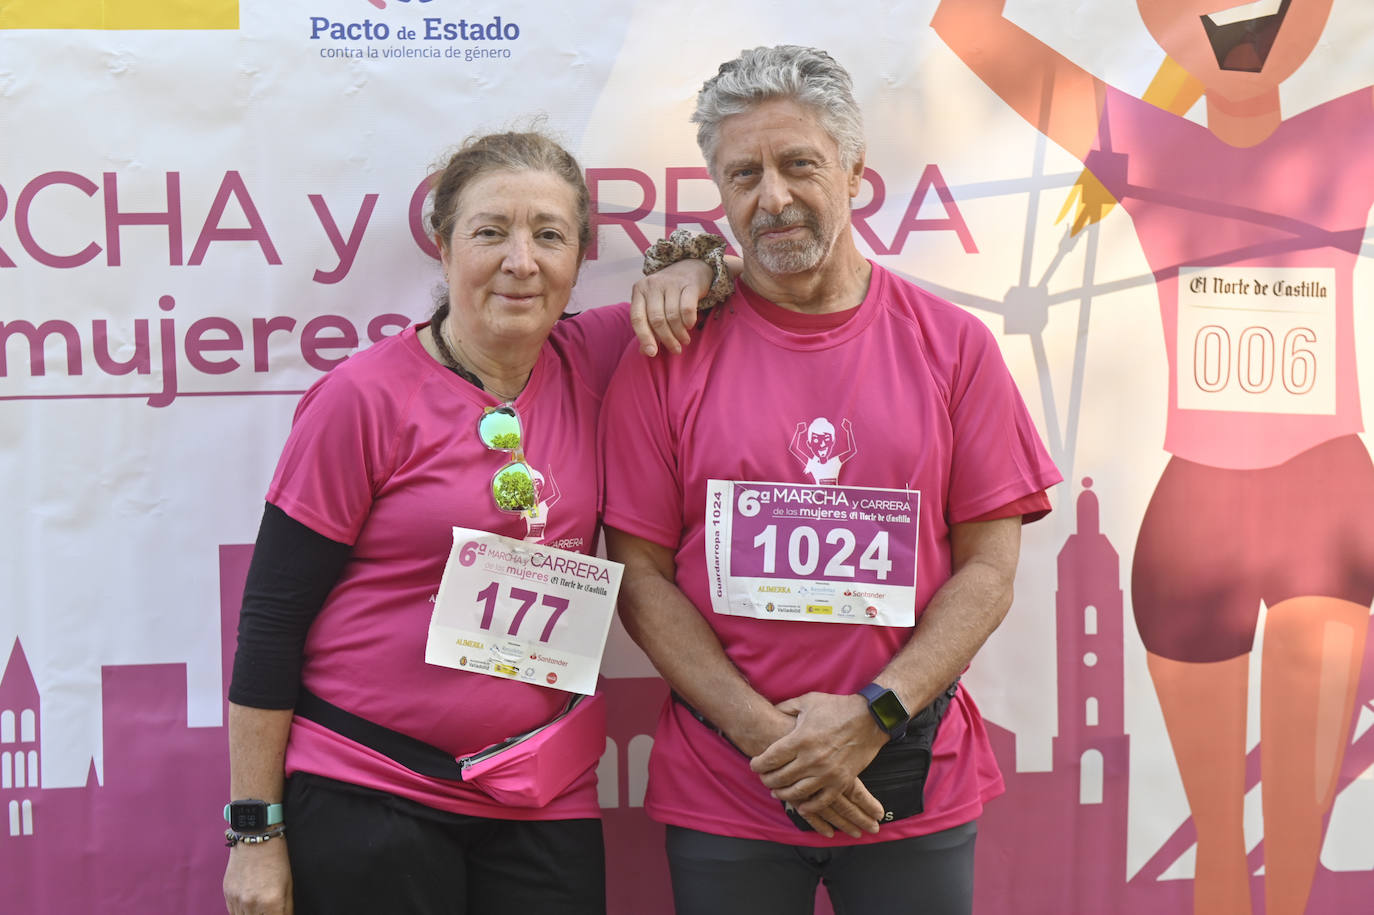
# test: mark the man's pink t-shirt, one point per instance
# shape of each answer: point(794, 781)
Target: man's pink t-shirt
point(1293, 205)
point(916, 389)
point(384, 455)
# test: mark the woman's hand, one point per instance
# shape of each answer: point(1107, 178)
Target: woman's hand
point(663, 305)
point(258, 879)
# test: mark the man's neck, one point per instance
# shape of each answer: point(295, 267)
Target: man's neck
point(840, 282)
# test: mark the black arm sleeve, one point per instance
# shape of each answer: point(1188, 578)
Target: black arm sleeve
point(292, 571)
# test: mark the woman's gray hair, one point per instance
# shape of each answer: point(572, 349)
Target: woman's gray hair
point(808, 76)
point(516, 150)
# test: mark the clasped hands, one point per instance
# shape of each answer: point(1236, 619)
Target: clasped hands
point(814, 747)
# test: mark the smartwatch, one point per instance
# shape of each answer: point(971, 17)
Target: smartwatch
point(886, 709)
point(251, 815)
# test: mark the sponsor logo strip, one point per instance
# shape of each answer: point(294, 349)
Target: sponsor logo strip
point(120, 14)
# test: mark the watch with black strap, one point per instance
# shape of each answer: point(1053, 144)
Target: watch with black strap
point(887, 710)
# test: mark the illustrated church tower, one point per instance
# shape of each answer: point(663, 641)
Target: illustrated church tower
point(18, 744)
point(1092, 741)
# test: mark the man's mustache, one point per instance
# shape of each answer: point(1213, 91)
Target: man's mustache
point(789, 217)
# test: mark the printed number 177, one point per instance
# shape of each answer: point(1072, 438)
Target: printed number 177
point(491, 592)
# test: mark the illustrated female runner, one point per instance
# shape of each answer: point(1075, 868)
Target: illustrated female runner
point(1252, 227)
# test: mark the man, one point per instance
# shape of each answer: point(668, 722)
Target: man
point(802, 625)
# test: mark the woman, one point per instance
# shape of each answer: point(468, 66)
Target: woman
point(385, 457)
point(1252, 226)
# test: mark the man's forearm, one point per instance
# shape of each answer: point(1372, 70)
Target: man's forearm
point(684, 648)
point(961, 615)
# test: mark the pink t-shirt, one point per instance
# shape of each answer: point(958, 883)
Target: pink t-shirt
point(910, 393)
point(1251, 384)
point(384, 455)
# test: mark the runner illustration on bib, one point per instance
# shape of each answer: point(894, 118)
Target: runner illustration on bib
point(820, 553)
point(545, 495)
point(814, 446)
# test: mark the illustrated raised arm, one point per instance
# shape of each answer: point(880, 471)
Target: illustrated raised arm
point(1050, 91)
point(851, 449)
point(800, 453)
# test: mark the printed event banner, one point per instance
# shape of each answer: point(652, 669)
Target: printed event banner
point(1162, 211)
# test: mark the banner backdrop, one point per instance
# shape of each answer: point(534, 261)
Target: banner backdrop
point(205, 206)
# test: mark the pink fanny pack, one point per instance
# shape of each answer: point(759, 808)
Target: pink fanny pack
point(533, 768)
point(527, 770)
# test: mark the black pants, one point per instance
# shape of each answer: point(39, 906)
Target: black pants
point(355, 850)
point(923, 875)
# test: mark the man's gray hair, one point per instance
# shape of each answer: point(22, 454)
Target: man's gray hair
point(808, 76)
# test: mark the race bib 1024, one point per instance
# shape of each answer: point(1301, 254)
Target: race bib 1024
point(825, 554)
point(523, 611)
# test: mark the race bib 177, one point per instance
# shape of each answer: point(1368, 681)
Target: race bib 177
point(523, 611)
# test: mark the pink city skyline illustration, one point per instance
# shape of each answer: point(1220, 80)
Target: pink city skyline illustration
point(150, 837)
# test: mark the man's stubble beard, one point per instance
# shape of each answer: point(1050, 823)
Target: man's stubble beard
point(799, 256)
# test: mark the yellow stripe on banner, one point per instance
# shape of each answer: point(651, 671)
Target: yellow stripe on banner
point(119, 14)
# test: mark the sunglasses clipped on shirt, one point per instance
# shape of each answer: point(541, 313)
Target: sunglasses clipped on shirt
point(512, 486)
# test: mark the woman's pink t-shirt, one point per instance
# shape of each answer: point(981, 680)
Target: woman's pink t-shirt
point(384, 455)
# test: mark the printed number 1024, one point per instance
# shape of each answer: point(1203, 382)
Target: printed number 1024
point(804, 552)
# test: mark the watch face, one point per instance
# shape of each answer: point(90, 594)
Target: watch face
point(249, 816)
point(889, 710)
